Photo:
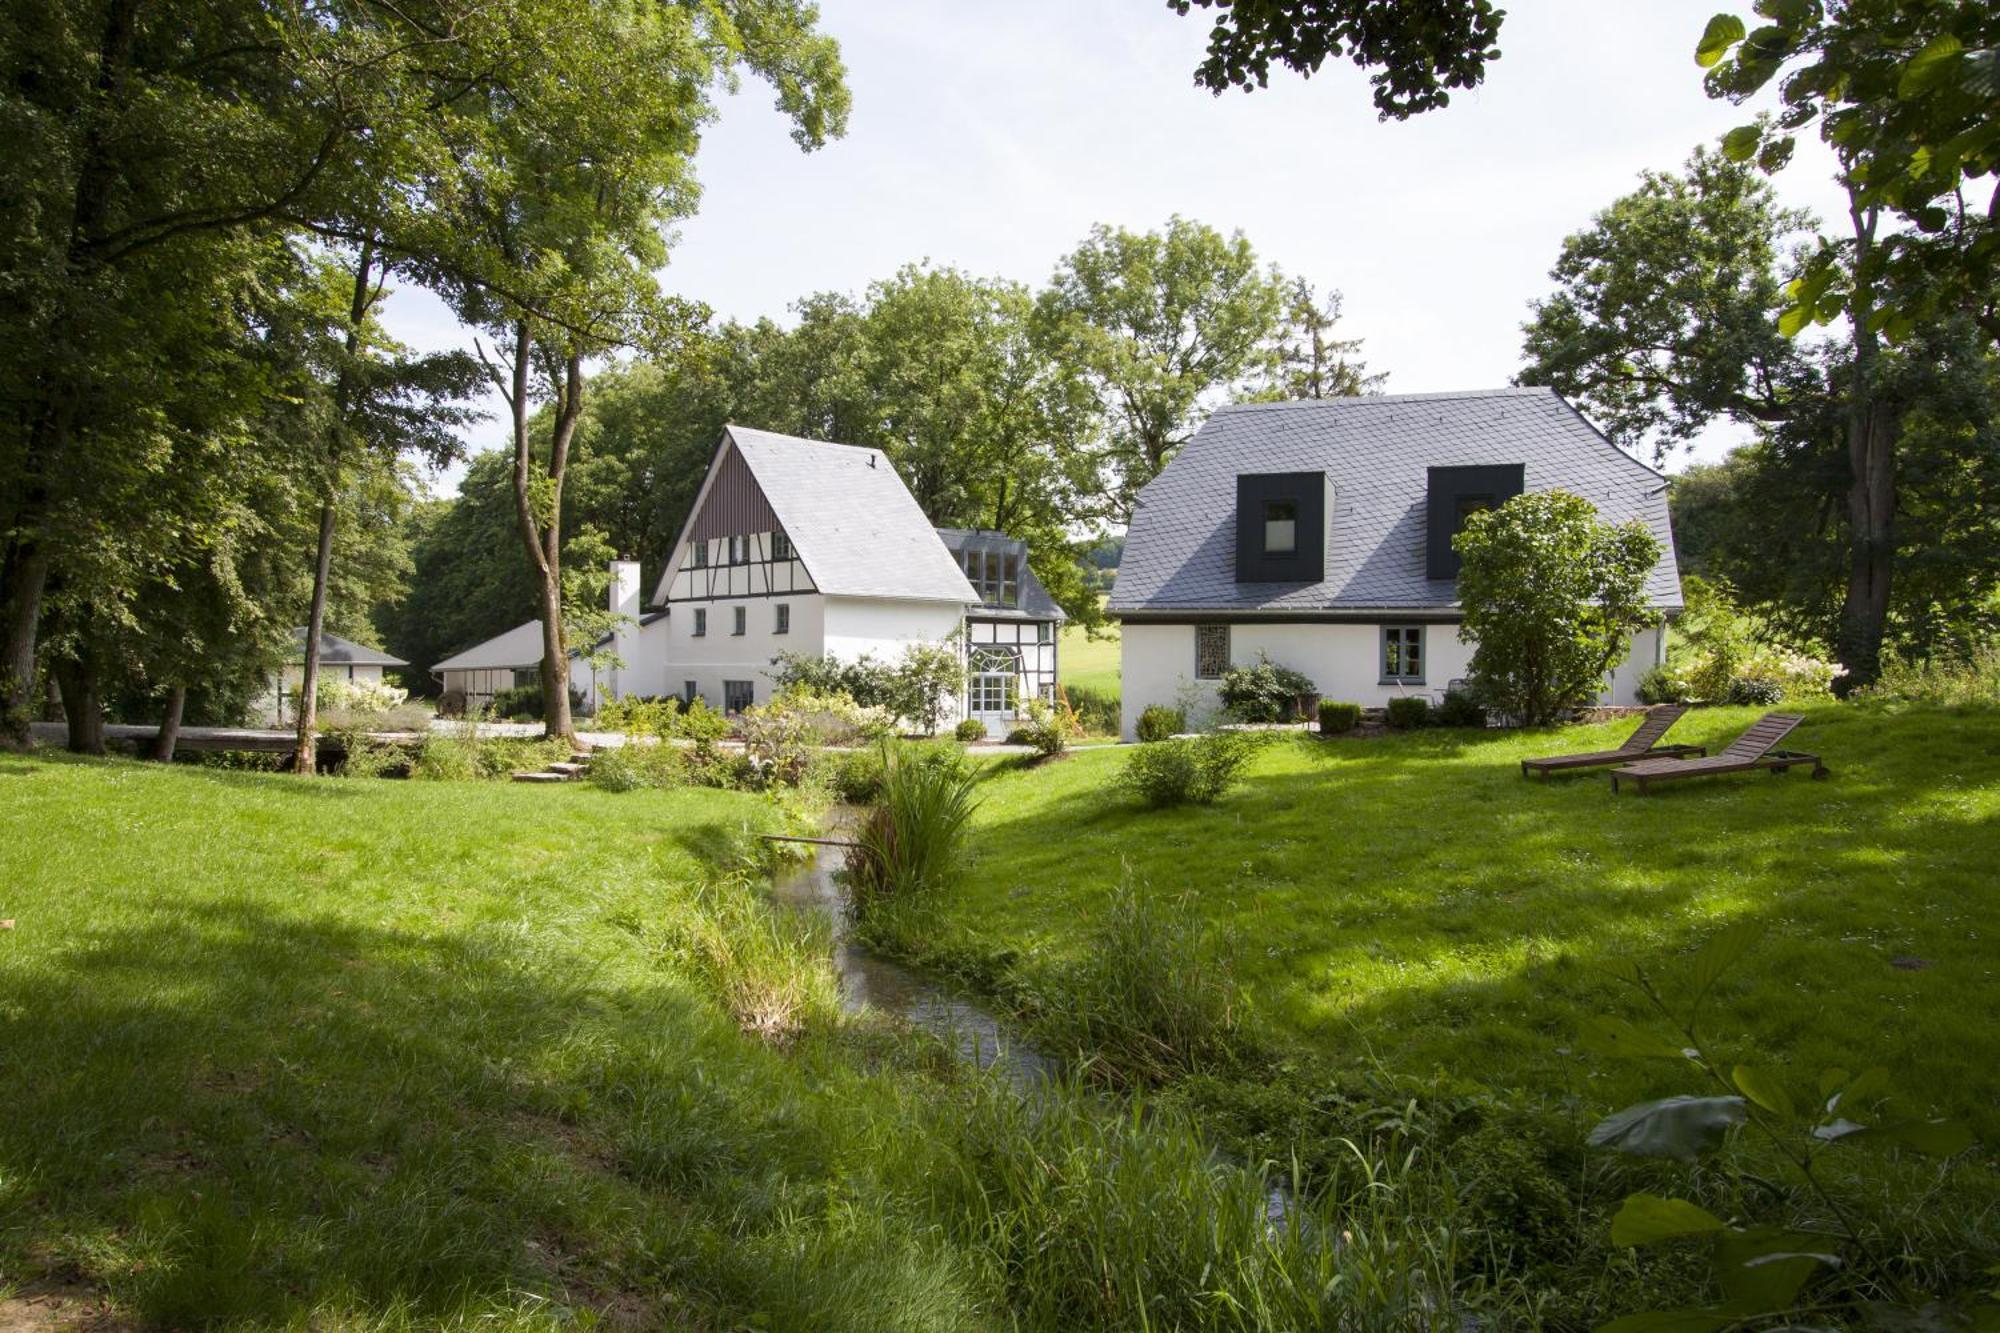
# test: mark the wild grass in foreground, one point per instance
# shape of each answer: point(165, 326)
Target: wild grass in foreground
point(366, 1054)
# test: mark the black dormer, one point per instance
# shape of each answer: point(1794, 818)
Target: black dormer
point(1455, 494)
point(1281, 527)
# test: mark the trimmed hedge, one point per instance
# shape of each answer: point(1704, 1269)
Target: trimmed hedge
point(1159, 722)
point(1408, 711)
point(1336, 716)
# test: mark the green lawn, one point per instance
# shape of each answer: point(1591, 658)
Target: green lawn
point(1413, 901)
point(366, 1054)
point(1087, 662)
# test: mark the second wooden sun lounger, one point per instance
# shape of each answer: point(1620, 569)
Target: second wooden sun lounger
point(1641, 744)
point(1755, 748)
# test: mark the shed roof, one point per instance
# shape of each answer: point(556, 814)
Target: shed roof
point(342, 652)
point(519, 648)
point(1180, 550)
point(856, 527)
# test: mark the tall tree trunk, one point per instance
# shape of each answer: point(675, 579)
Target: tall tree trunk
point(26, 578)
point(83, 707)
point(305, 757)
point(170, 725)
point(27, 562)
point(1873, 425)
point(538, 514)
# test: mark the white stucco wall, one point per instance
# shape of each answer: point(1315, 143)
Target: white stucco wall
point(885, 627)
point(719, 655)
point(1343, 660)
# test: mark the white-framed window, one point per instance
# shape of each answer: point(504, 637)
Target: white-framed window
point(739, 550)
point(698, 554)
point(739, 620)
point(783, 618)
point(1281, 527)
point(1044, 632)
point(1211, 651)
point(1402, 654)
point(781, 546)
point(701, 622)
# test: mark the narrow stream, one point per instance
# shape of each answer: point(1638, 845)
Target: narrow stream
point(870, 981)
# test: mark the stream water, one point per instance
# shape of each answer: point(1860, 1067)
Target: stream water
point(870, 981)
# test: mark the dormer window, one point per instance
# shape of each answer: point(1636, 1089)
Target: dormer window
point(1281, 528)
point(995, 575)
point(1456, 494)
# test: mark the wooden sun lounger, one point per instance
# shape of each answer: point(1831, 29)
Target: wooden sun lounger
point(1641, 744)
point(1755, 748)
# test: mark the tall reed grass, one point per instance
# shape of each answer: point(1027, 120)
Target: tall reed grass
point(912, 841)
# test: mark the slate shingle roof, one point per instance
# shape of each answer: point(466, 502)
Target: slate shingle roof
point(855, 525)
point(1180, 551)
point(343, 652)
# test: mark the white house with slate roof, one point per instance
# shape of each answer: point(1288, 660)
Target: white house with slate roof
point(803, 547)
point(1319, 534)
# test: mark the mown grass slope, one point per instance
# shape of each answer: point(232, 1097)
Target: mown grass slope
point(1412, 902)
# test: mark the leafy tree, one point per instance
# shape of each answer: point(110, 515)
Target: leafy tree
point(111, 247)
point(1307, 359)
point(1418, 49)
point(926, 682)
point(1662, 318)
point(1162, 323)
point(1903, 92)
point(559, 204)
point(1551, 594)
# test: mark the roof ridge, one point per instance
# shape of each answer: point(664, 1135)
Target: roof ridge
point(1390, 399)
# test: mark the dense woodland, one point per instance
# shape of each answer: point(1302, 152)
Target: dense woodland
point(208, 439)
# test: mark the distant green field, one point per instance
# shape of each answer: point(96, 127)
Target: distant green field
point(1090, 663)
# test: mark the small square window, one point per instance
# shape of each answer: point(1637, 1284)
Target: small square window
point(740, 619)
point(1281, 527)
point(781, 546)
point(738, 695)
point(784, 619)
point(1211, 651)
point(1402, 654)
point(700, 622)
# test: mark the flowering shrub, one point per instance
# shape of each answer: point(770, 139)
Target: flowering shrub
point(832, 717)
point(1784, 672)
point(1048, 728)
point(336, 693)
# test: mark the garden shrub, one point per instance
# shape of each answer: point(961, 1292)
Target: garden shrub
point(1752, 690)
point(1336, 716)
point(362, 757)
point(778, 743)
point(1096, 710)
point(1460, 709)
point(1158, 722)
point(1196, 770)
point(1664, 685)
point(915, 688)
point(1407, 711)
point(1264, 692)
point(338, 694)
point(1950, 682)
point(638, 767)
point(1049, 727)
point(641, 715)
point(969, 730)
point(701, 724)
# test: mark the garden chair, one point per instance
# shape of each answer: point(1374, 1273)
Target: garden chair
point(1755, 748)
point(1641, 744)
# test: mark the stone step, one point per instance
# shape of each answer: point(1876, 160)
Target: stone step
point(570, 770)
point(521, 775)
point(580, 757)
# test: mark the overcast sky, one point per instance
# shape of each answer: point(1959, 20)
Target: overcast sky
point(991, 134)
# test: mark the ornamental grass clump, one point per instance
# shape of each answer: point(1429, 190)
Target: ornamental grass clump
point(1151, 997)
point(912, 841)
